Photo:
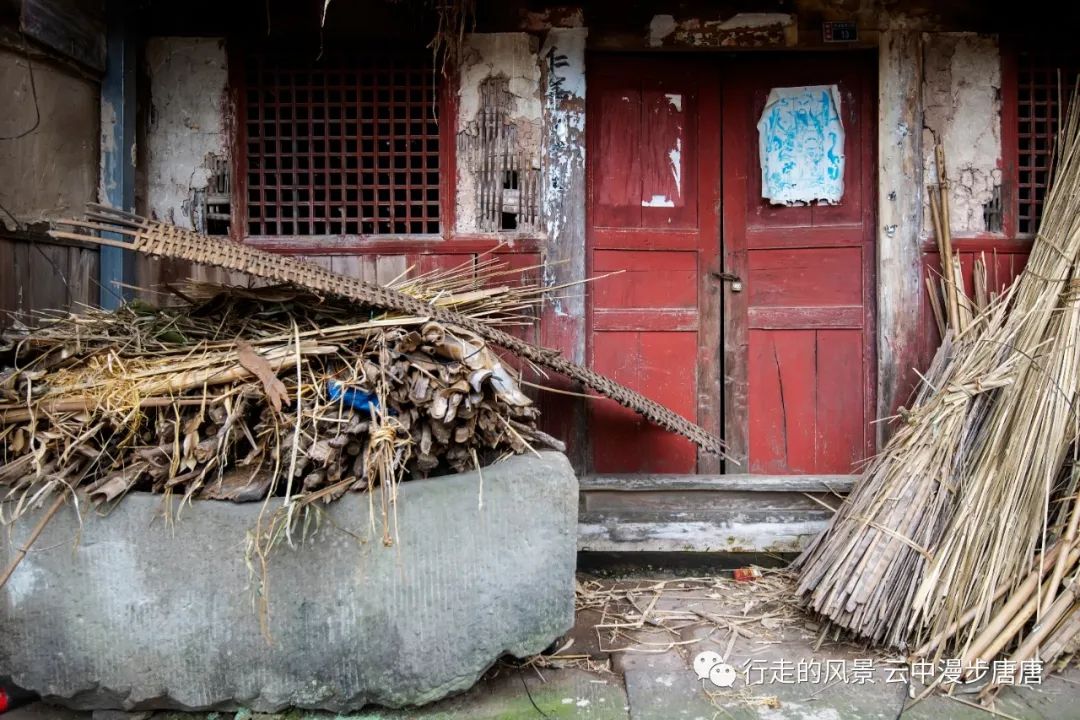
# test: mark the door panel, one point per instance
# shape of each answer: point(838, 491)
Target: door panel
point(654, 363)
point(616, 175)
point(803, 386)
point(646, 224)
point(799, 342)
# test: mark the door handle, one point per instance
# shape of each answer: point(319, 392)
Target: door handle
point(735, 280)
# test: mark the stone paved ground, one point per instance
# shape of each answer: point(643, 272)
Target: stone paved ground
point(632, 658)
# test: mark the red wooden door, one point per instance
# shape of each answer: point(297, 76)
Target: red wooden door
point(654, 160)
point(799, 340)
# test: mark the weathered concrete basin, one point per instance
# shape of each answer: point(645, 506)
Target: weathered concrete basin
point(141, 615)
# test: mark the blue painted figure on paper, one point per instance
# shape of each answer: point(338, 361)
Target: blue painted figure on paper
point(801, 142)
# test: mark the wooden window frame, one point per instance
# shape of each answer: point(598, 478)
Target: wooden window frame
point(1010, 47)
point(445, 239)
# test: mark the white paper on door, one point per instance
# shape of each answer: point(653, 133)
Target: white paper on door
point(801, 144)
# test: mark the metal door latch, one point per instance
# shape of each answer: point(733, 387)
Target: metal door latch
point(735, 280)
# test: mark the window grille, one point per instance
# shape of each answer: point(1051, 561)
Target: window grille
point(1044, 83)
point(342, 148)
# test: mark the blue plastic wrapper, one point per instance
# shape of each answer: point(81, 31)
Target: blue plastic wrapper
point(355, 398)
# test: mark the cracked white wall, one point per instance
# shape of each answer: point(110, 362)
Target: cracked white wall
point(962, 107)
point(487, 55)
point(188, 78)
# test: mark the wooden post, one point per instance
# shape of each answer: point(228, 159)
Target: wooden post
point(563, 197)
point(117, 184)
point(900, 183)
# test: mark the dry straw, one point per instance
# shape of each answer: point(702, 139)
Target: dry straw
point(961, 538)
point(264, 393)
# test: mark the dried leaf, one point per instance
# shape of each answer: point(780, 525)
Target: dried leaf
point(251, 361)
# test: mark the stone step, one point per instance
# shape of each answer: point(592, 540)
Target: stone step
point(705, 513)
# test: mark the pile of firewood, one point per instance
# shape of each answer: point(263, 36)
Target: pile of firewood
point(243, 394)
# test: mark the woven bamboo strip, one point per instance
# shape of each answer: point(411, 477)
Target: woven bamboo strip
point(163, 240)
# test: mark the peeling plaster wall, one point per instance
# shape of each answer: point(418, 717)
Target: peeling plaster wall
point(186, 128)
point(749, 29)
point(53, 170)
point(513, 59)
point(962, 107)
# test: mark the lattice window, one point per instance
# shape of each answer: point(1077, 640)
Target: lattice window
point(1045, 81)
point(343, 148)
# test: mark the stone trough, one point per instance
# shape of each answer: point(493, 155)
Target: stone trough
point(137, 614)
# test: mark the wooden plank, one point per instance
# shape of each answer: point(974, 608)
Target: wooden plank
point(525, 266)
point(840, 484)
point(616, 174)
point(608, 238)
point(39, 236)
point(771, 238)
point(776, 506)
point(442, 262)
point(324, 261)
point(48, 277)
point(645, 279)
point(655, 364)
point(711, 322)
point(840, 439)
point(659, 533)
point(795, 356)
point(782, 405)
point(1004, 262)
point(738, 162)
point(212, 274)
point(359, 266)
point(805, 277)
point(631, 261)
point(792, 318)
point(659, 320)
point(389, 268)
point(22, 280)
point(385, 245)
point(669, 153)
point(82, 278)
point(9, 281)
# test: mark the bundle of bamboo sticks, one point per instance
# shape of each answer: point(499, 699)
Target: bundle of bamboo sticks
point(961, 539)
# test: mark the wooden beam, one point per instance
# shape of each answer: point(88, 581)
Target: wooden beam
point(599, 534)
point(839, 484)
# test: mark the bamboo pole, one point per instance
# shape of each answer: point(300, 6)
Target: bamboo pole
point(1011, 618)
point(952, 309)
point(1046, 625)
point(949, 264)
point(1051, 555)
point(1060, 566)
